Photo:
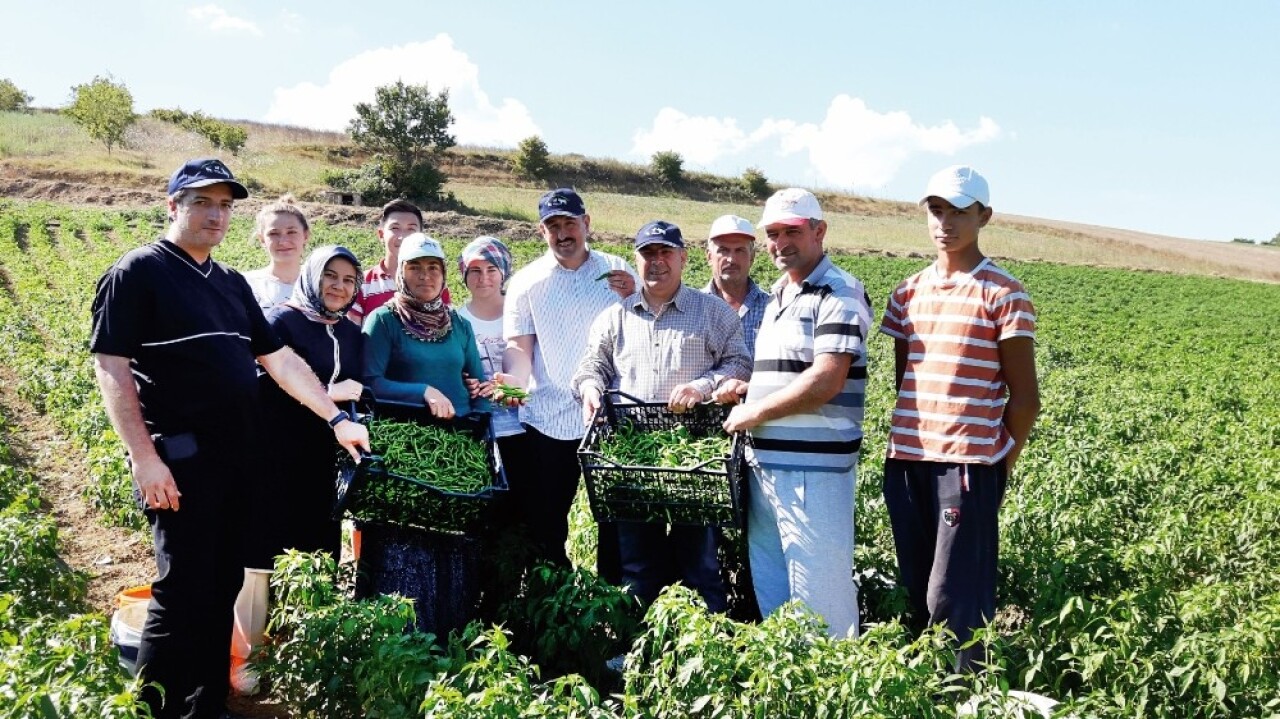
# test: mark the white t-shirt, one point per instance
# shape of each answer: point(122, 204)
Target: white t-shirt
point(506, 420)
point(267, 289)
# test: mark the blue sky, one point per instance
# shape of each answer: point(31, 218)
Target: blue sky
point(1159, 117)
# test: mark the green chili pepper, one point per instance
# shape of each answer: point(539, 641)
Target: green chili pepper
point(605, 276)
point(426, 476)
point(509, 392)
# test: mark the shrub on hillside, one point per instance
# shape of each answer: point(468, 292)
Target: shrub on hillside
point(668, 167)
point(222, 135)
point(104, 109)
point(12, 98)
point(755, 183)
point(532, 160)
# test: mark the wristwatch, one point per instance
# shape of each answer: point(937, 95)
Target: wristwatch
point(339, 418)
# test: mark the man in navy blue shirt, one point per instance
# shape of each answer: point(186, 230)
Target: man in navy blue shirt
point(175, 338)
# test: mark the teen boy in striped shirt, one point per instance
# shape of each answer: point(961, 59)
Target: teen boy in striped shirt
point(804, 413)
point(964, 348)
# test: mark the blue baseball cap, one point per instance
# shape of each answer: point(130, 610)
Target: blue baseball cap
point(202, 173)
point(659, 232)
point(561, 201)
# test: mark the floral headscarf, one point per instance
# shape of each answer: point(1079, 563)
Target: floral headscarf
point(487, 249)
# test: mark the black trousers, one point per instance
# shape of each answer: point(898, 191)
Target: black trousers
point(946, 531)
point(186, 641)
point(653, 557)
point(543, 476)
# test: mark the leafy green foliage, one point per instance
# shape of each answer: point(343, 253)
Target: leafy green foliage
point(532, 160)
point(407, 127)
point(571, 621)
point(492, 681)
point(332, 657)
point(222, 135)
point(668, 167)
point(61, 667)
point(12, 98)
point(104, 109)
point(755, 183)
point(705, 664)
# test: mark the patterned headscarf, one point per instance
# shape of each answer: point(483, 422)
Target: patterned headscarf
point(307, 295)
point(487, 249)
point(426, 321)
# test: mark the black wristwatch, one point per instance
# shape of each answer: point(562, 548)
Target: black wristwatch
point(339, 418)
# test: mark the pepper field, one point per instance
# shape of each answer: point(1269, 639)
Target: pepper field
point(1140, 567)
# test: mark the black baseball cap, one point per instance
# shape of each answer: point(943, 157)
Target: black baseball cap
point(204, 172)
point(561, 201)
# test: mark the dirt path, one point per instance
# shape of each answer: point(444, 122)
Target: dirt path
point(113, 557)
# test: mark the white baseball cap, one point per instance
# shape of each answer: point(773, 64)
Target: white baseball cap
point(726, 225)
point(418, 246)
point(792, 206)
point(960, 185)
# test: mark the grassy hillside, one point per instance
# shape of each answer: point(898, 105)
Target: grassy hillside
point(45, 156)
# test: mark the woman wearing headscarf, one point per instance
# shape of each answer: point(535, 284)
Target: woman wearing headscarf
point(417, 350)
point(293, 507)
point(486, 266)
point(299, 449)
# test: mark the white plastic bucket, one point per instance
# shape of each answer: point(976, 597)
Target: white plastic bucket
point(127, 622)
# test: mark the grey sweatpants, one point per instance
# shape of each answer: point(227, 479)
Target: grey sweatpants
point(945, 520)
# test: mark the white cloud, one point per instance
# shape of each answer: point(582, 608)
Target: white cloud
point(220, 20)
point(853, 147)
point(701, 140)
point(477, 119)
point(291, 22)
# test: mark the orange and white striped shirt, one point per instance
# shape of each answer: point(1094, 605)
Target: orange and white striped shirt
point(950, 407)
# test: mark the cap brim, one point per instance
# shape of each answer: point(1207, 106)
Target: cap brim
point(957, 200)
point(657, 241)
point(559, 213)
point(238, 191)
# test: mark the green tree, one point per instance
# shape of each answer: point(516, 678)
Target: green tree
point(104, 109)
point(532, 159)
point(407, 127)
point(12, 98)
point(755, 183)
point(668, 166)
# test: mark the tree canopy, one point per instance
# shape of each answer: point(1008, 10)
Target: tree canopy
point(104, 109)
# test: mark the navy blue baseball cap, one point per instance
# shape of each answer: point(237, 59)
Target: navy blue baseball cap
point(202, 173)
point(561, 201)
point(661, 232)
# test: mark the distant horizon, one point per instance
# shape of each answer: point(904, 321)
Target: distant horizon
point(1117, 116)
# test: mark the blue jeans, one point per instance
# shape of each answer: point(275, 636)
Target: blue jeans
point(800, 541)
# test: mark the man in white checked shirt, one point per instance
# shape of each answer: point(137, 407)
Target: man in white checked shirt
point(804, 411)
point(666, 343)
point(549, 306)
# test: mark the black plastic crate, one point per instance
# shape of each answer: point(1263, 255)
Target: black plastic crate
point(369, 492)
point(709, 493)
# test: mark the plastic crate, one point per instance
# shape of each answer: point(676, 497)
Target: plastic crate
point(708, 494)
point(369, 492)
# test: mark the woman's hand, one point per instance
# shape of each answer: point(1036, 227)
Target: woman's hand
point(510, 380)
point(439, 405)
point(348, 390)
point(476, 388)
